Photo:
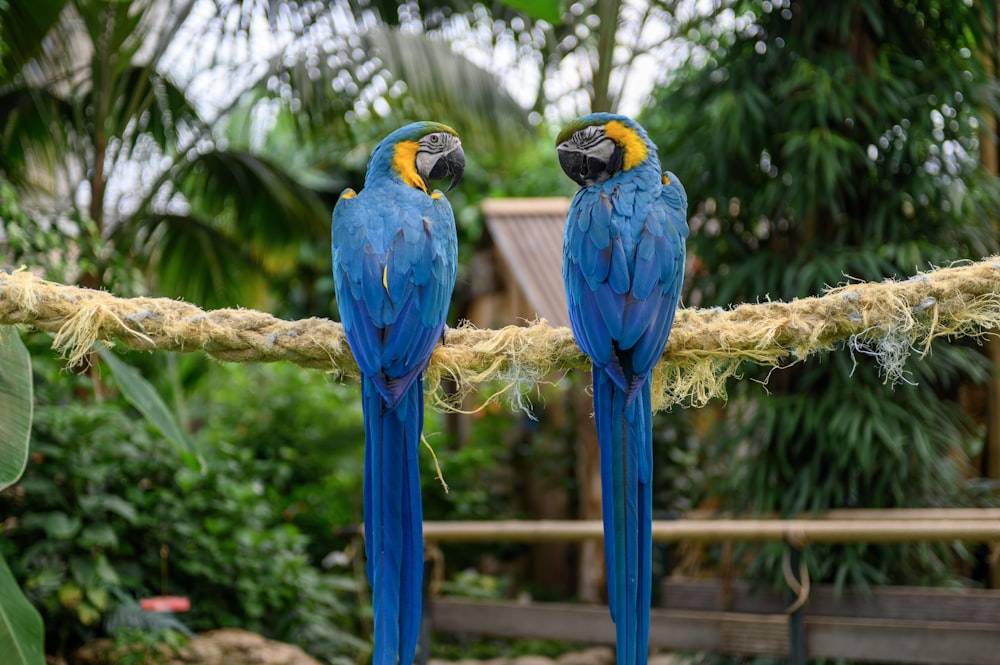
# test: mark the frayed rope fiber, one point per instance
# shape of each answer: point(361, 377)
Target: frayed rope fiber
point(887, 320)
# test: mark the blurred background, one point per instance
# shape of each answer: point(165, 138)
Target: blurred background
point(194, 149)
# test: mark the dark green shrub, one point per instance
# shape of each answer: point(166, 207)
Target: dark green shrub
point(107, 510)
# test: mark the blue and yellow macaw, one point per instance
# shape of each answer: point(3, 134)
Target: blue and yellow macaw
point(623, 264)
point(395, 255)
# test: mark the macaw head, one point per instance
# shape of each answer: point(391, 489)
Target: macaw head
point(418, 153)
point(595, 147)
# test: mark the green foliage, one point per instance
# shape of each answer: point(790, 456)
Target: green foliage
point(40, 242)
point(470, 583)
point(681, 461)
point(819, 141)
point(22, 26)
point(135, 646)
point(837, 149)
point(98, 117)
point(475, 472)
point(107, 512)
point(141, 394)
point(31, 240)
point(17, 403)
point(4, 48)
point(304, 434)
point(546, 10)
point(21, 629)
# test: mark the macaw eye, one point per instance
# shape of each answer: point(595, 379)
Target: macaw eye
point(588, 137)
point(435, 140)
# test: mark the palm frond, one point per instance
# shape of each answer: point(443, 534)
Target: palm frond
point(312, 151)
point(33, 126)
point(23, 25)
point(269, 207)
point(444, 85)
point(146, 102)
point(194, 260)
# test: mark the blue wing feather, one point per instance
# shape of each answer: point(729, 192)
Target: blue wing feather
point(618, 272)
point(640, 315)
point(609, 307)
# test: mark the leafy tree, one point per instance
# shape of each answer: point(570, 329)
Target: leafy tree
point(225, 130)
point(819, 141)
point(97, 132)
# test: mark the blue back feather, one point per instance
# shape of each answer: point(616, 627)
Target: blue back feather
point(395, 255)
point(623, 266)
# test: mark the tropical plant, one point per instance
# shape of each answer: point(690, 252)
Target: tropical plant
point(561, 59)
point(305, 433)
point(107, 513)
point(96, 131)
point(21, 628)
point(820, 142)
point(225, 132)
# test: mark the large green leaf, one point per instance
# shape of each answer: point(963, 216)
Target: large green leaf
point(22, 636)
point(141, 394)
point(546, 10)
point(16, 405)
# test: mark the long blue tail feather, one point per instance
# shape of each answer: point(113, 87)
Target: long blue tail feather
point(394, 520)
point(624, 430)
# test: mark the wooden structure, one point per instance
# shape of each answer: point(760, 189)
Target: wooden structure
point(887, 624)
point(517, 272)
point(516, 275)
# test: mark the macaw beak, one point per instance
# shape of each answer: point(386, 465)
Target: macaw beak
point(451, 164)
point(573, 163)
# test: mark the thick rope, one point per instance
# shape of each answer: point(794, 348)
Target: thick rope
point(888, 320)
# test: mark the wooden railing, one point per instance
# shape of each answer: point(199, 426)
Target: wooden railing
point(889, 624)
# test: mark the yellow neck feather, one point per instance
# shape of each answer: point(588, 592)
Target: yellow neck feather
point(633, 147)
point(404, 161)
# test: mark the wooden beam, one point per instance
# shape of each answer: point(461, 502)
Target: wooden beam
point(887, 641)
point(674, 629)
point(863, 514)
point(801, 532)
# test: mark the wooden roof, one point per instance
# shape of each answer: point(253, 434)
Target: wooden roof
point(528, 235)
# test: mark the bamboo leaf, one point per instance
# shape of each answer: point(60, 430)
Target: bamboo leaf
point(16, 403)
point(141, 394)
point(22, 634)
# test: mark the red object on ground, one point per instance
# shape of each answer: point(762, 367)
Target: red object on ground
point(165, 604)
